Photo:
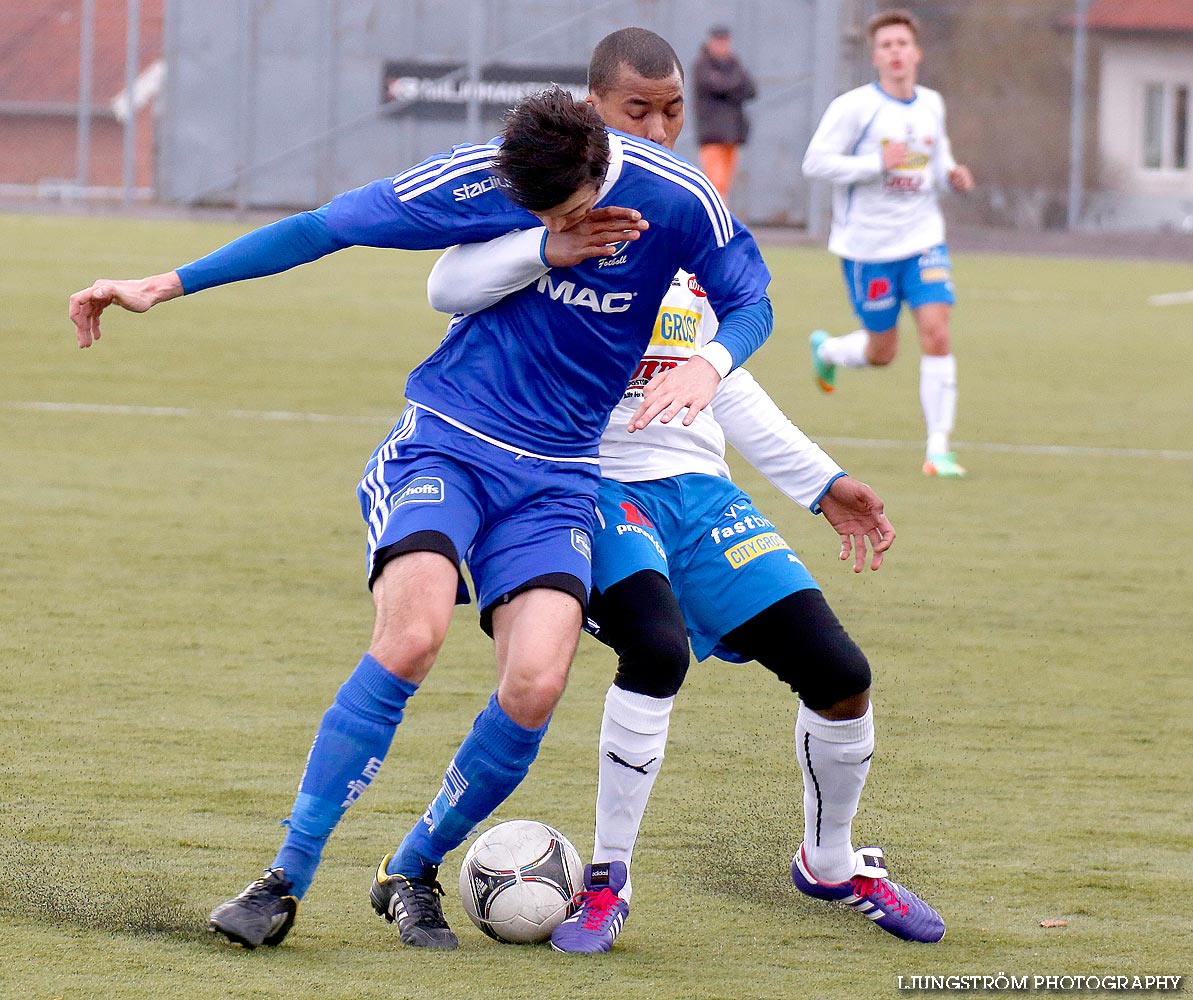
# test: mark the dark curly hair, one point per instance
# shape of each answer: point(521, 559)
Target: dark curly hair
point(553, 145)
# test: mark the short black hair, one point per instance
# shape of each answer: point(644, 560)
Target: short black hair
point(553, 145)
point(647, 54)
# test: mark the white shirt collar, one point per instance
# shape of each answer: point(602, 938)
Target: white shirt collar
point(616, 161)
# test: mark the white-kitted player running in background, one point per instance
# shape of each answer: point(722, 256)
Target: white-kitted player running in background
point(885, 148)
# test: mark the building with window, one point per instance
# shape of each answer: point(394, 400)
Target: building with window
point(1144, 142)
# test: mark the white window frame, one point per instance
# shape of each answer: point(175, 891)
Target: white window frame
point(1168, 130)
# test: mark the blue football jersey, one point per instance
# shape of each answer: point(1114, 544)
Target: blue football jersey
point(542, 369)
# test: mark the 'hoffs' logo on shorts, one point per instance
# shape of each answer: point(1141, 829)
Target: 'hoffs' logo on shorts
point(424, 489)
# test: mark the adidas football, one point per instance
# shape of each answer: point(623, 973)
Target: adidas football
point(518, 879)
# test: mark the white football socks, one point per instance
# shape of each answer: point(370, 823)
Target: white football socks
point(848, 350)
point(938, 397)
point(835, 759)
point(633, 740)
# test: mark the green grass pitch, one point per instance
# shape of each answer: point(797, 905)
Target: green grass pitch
point(181, 593)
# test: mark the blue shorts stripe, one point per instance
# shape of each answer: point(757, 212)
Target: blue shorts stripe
point(373, 485)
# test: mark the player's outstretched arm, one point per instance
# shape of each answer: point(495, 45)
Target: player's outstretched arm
point(277, 247)
point(138, 295)
point(856, 512)
point(766, 438)
point(473, 276)
point(830, 156)
point(756, 426)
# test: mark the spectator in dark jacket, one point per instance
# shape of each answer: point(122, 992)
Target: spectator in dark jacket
point(723, 85)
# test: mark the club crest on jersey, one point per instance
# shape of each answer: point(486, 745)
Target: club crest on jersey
point(617, 256)
point(424, 489)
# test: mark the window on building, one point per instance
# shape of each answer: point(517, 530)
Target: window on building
point(1166, 115)
point(1180, 129)
point(1153, 126)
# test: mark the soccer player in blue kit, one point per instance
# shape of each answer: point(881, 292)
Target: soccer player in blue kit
point(493, 461)
point(678, 546)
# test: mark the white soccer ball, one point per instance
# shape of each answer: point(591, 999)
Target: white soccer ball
point(518, 879)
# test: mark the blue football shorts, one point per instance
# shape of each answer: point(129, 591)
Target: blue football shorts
point(725, 560)
point(877, 291)
point(512, 519)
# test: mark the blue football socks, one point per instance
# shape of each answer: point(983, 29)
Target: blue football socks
point(351, 743)
point(490, 764)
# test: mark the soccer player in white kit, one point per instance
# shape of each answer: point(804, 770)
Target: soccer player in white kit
point(885, 148)
point(678, 546)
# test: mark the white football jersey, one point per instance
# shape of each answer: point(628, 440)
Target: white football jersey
point(473, 276)
point(741, 412)
point(658, 451)
point(882, 215)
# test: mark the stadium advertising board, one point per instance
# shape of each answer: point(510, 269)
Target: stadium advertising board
point(442, 91)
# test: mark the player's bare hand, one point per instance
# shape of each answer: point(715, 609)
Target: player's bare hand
point(136, 295)
point(688, 386)
point(960, 179)
point(856, 513)
point(597, 235)
point(894, 155)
